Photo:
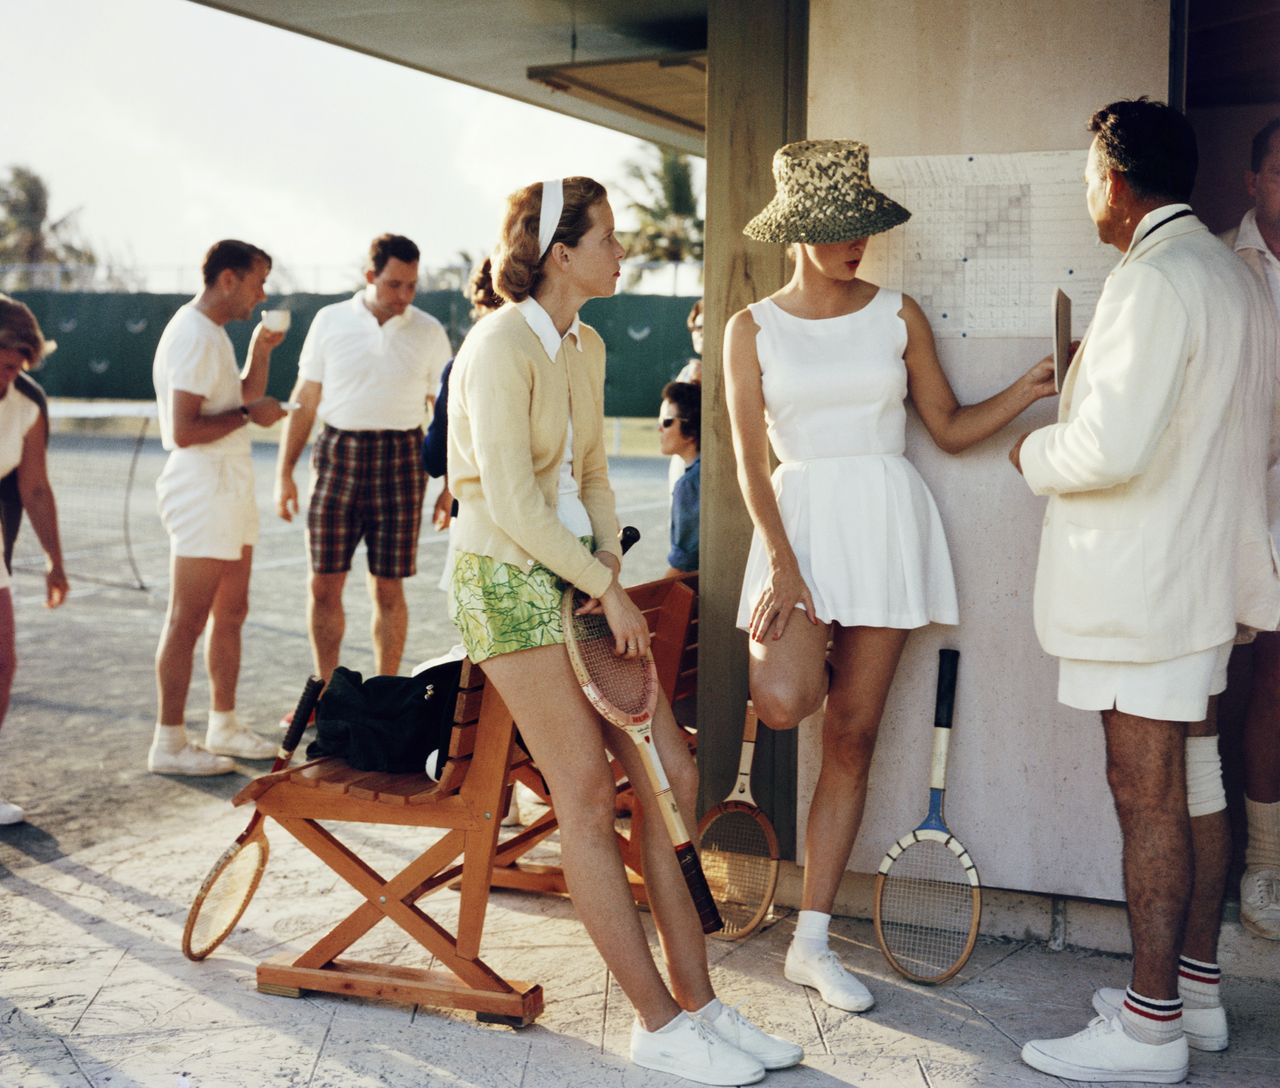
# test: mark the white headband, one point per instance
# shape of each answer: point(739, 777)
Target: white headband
point(549, 216)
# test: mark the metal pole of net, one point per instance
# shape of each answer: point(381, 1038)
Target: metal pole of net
point(99, 455)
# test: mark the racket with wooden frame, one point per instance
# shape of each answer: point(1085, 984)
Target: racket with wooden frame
point(928, 899)
point(226, 891)
point(624, 691)
point(739, 849)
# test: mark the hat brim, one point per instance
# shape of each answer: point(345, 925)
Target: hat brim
point(789, 221)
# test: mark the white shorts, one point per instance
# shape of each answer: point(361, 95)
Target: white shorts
point(207, 505)
point(1176, 690)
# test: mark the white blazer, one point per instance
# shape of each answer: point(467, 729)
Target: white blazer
point(1155, 540)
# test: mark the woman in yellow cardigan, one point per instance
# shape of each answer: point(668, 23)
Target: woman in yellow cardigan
point(536, 512)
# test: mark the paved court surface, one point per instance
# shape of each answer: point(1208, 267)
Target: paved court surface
point(94, 889)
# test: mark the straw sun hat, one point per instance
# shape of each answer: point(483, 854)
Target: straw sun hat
point(824, 195)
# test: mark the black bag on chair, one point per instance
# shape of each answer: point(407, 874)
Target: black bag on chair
point(387, 723)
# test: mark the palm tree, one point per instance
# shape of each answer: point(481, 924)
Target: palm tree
point(29, 240)
point(663, 199)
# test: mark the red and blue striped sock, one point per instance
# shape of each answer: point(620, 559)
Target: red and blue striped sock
point(1198, 983)
point(1151, 1020)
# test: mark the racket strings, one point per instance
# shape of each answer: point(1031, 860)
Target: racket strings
point(739, 866)
point(225, 896)
point(926, 908)
point(627, 683)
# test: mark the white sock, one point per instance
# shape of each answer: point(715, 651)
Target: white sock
point(1151, 1020)
point(811, 933)
point(223, 721)
point(169, 738)
point(710, 1010)
point(670, 1025)
point(1198, 983)
point(1264, 834)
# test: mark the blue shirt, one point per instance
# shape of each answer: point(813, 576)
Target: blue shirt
point(685, 501)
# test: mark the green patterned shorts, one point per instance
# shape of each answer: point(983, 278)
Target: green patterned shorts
point(500, 608)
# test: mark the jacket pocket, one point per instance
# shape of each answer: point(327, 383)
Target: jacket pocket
point(1101, 583)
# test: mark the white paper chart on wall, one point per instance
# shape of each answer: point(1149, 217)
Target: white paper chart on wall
point(989, 239)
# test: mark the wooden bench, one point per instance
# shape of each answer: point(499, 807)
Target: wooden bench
point(468, 802)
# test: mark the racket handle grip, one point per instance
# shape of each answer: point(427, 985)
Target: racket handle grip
point(948, 664)
point(301, 715)
point(702, 900)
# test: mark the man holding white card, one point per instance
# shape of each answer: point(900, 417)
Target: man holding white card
point(1154, 547)
point(205, 404)
point(369, 369)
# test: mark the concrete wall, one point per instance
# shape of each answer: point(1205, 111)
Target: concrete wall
point(918, 77)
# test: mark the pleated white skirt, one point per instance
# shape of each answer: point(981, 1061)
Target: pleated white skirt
point(869, 541)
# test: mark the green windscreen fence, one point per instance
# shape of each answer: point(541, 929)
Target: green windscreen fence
point(106, 342)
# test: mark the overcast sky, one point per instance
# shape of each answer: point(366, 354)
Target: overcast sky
point(171, 125)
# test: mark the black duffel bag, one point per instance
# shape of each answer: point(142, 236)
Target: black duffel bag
point(387, 723)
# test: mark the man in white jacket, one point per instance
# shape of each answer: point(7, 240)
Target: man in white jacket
point(1257, 242)
point(1154, 547)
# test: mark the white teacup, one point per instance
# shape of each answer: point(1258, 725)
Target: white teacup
point(276, 320)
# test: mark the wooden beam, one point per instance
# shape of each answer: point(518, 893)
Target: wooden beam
point(756, 91)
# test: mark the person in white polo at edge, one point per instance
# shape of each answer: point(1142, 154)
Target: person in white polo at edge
point(370, 367)
point(1154, 548)
point(205, 497)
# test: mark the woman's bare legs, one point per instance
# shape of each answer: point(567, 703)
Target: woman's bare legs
point(565, 736)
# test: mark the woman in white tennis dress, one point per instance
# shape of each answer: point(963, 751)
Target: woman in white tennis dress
point(845, 528)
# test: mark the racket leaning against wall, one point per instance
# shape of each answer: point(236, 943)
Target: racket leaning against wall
point(739, 849)
point(235, 876)
point(624, 691)
point(928, 900)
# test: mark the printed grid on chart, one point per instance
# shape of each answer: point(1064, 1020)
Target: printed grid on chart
point(989, 239)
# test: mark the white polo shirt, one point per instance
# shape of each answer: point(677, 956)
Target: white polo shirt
point(1249, 237)
point(195, 355)
point(373, 377)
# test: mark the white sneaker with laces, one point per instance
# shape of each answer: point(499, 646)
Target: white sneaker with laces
point(1205, 1029)
point(238, 741)
point(190, 760)
point(1260, 902)
point(1103, 1052)
point(769, 1050)
point(10, 813)
point(838, 987)
point(688, 1048)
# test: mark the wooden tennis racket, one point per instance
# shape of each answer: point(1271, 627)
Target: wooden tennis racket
point(740, 849)
point(928, 899)
point(235, 876)
point(624, 691)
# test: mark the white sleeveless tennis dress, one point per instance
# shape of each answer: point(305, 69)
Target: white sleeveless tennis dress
point(861, 521)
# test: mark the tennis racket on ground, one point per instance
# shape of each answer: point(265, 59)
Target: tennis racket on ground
point(625, 692)
point(928, 899)
point(230, 885)
point(740, 849)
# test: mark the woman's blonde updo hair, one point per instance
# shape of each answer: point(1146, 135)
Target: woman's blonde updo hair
point(519, 267)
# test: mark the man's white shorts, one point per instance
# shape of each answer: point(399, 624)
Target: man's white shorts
point(1176, 690)
point(207, 504)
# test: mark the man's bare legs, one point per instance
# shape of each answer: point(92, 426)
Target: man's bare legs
point(326, 620)
point(1260, 888)
point(390, 625)
point(1146, 769)
point(192, 588)
point(227, 613)
point(1211, 858)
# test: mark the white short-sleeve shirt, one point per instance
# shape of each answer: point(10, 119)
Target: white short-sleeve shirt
point(18, 414)
point(195, 355)
point(373, 377)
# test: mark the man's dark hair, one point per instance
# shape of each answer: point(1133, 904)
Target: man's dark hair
point(231, 254)
point(1262, 143)
point(386, 246)
point(1151, 144)
point(687, 397)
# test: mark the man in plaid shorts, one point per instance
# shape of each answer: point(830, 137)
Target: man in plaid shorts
point(369, 368)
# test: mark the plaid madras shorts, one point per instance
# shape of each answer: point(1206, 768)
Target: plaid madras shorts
point(366, 484)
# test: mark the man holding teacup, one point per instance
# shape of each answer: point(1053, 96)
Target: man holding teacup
point(205, 403)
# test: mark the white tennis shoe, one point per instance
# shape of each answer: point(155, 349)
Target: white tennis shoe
point(1205, 1029)
point(10, 813)
point(1260, 902)
point(688, 1048)
point(238, 741)
point(837, 986)
point(769, 1050)
point(1103, 1052)
point(190, 760)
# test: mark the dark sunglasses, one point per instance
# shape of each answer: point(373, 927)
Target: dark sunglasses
point(671, 422)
